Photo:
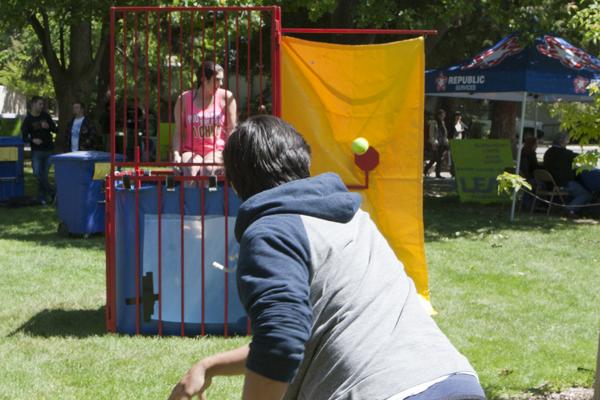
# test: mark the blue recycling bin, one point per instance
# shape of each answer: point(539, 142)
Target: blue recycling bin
point(176, 299)
point(80, 197)
point(11, 168)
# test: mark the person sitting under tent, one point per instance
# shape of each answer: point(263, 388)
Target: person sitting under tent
point(529, 163)
point(558, 160)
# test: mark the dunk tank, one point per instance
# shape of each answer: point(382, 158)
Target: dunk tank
point(171, 253)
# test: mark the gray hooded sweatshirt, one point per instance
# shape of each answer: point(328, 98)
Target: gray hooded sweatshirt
point(332, 309)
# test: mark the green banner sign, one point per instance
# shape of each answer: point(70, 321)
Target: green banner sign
point(477, 163)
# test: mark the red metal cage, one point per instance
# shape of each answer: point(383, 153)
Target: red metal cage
point(154, 52)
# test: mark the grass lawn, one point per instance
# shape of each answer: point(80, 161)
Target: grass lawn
point(521, 301)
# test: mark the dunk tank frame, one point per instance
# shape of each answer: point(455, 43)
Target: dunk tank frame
point(170, 252)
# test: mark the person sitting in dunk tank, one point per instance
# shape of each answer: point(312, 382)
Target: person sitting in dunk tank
point(204, 119)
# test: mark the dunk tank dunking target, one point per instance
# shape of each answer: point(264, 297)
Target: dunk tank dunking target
point(171, 252)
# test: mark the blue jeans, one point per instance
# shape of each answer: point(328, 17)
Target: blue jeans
point(580, 196)
point(591, 180)
point(455, 387)
point(40, 163)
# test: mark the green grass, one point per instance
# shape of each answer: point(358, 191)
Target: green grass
point(521, 301)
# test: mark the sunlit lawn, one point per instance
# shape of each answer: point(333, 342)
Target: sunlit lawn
point(520, 300)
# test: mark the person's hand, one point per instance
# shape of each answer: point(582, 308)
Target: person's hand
point(176, 157)
point(37, 141)
point(194, 383)
point(45, 125)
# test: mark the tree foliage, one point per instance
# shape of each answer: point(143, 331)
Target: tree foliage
point(71, 36)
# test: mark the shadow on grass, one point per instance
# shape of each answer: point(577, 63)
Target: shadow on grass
point(444, 216)
point(64, 323)
point(39, 224)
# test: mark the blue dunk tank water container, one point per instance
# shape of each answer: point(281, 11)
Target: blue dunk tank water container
point(175, 257)
point(79, 177)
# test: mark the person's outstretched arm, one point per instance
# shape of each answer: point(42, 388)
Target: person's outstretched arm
point(199, 377)
point(258, 387)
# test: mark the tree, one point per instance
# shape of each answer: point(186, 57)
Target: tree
point(463, 26)
point(582, 120)
point(72, 39)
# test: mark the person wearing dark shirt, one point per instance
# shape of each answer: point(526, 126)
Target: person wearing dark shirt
point(82, 132)
point(529, 161)
point(37, 130)
point(438, 139)
point(558, 160)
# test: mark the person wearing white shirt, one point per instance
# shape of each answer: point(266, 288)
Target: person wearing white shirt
point(82, 133)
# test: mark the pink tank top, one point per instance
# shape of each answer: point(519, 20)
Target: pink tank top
point(204, 129)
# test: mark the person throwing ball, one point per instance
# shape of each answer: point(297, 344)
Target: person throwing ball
point(333, 313)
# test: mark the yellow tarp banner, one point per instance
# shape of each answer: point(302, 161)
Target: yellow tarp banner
point(9, 154)
point(333, 94)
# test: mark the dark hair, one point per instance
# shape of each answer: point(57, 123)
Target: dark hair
point(560, 139)
point(81, 104)
point(263, 152)
point(207, 70)
point(35, 99)
point(529, 143)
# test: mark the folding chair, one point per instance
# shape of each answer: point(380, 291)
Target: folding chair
point(547, 188)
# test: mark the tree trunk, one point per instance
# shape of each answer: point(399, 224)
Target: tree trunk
point(597, 381)
point(504, 121)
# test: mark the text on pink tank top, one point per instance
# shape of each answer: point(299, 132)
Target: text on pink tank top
point(204, 129)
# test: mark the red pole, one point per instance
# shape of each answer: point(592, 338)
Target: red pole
point(202, 209)
point(160, 292)
point(226, 72)
point(214, 82)
point(137, 258)
point(181, 210)
point(202, 79)
point(248, 72)
point(109, 275)
point(113, 147)
point(147, 152)
point(260, 61)
point(135, 88)
point(124, 141)
point(169, 105)
point(417, 32)
point(110, 237)
point(158, 82)
point(181, 99)
point(226, 274)
point(276, 62)
point(237, 56)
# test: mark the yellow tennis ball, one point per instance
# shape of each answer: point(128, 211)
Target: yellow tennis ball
point(360, 146)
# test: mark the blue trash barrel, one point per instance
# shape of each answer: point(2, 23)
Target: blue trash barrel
point(11, 168)
point(80, 197)
point(170, 288)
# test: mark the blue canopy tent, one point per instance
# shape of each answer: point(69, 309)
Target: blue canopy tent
point(549, 70)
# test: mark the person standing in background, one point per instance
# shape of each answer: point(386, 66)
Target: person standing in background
point(458, 130)
point(82, 132)
point(37, 130)
point(438, 139)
